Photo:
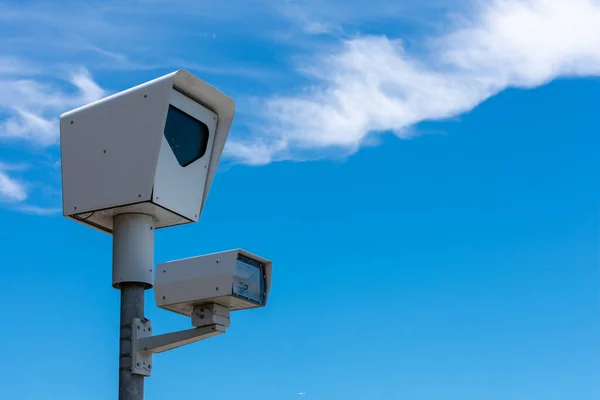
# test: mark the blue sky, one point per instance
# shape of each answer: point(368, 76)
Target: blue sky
point(426, 184)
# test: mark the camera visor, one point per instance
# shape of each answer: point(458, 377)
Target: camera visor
point(186, 136)
point(248, 281)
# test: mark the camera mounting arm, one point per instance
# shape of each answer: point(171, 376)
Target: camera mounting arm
point(144, 344)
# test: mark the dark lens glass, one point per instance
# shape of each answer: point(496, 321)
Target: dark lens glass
point(187, 136)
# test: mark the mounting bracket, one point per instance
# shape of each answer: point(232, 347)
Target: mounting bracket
point(144, 344)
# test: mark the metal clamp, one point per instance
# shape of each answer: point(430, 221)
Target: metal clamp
point(141, 361)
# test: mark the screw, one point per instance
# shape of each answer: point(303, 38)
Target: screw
point(138, 364)
point(149, 329)
point(149, 366)
point(164, 271)
point(217, 289)
point(145, 96)
point(138, 327)
point(139, 195)
point(164, 297)
point(74, 208)
point(217, 260)
point(104, 151)
point(71, 122)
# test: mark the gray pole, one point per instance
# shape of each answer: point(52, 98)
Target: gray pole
point(131, 387)
point(133, 263)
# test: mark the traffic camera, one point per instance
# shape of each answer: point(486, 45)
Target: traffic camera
point(232, 280)
point(152, 149)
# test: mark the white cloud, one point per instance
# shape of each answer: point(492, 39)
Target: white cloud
point(33, 106)
point(11, 190)
point(27, 125)
point(13, 167)
point(14, 66)
point(308, 21)
point(253, 152)
point(335, 16)
point(374, 84)
point(36, 210)
point(29, 111)
point(89, 90)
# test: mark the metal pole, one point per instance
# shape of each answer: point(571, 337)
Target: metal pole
point(131, 387)
point(133, 263)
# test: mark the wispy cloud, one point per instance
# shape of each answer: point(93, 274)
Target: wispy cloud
point(89, 90)
point(375, 84)
point(15, 67)
point(6, 167)
point(11, 190)
point(36, 210)
point(342, 17)
point(360, 84)
point(32, 106)
point(29, 109)
point(127, 35)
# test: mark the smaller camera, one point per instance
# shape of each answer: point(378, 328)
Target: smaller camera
point(206, 288)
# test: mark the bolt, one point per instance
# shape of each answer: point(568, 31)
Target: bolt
point(104, 151)
point(217, 260)
point(71, 122)
point(164, 271)
point(217, 289)
point(149, 366)
point(138, 364)
point(139, 195)
point(145, 96)
point(138, 327)
point(164, 297)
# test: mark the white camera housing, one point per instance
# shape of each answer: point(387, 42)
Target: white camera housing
point(234, 279)
point(152, 149)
